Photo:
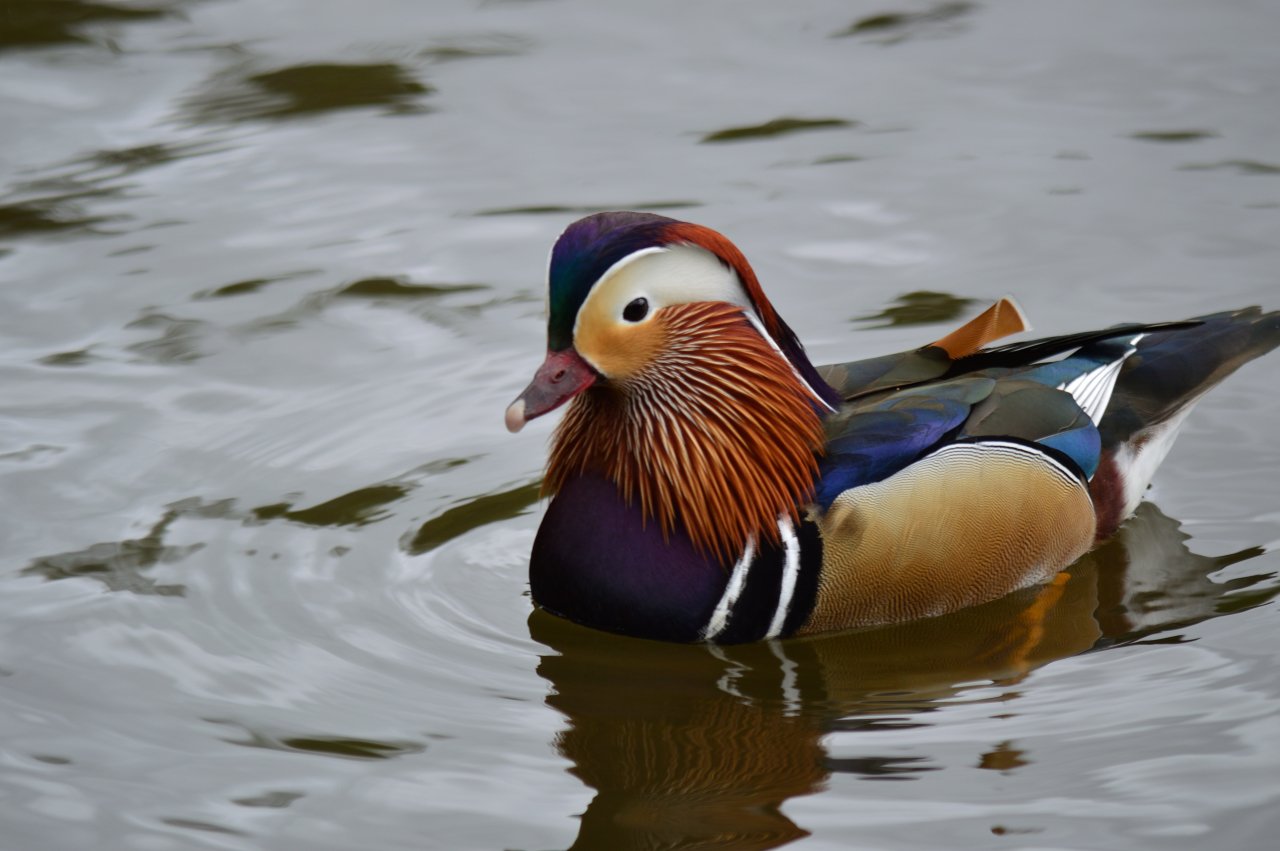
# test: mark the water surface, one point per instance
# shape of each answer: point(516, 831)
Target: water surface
point(270, 272)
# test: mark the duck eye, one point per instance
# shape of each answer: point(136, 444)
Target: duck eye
point(636, 310)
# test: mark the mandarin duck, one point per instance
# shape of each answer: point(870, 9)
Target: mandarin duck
point(709, 483)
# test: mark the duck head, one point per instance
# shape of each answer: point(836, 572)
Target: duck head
point(688, 390)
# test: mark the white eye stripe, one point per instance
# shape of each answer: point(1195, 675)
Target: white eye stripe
point(672, 274)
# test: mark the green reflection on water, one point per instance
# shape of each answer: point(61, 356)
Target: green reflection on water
point(274, 800)
point(308, 89)
point(144, 156)
point(238, 288)
point(1247, 167)
point(336, 746)
point(36, 23)
point(1173, 136)
point(179, 340)
point(922, 307)
point(400, 287)
point(357, 508)
point(776, 127)
point(206, 826)
point(472, 514)
point(476, 47)
point(122, 565)
point(894, 27)
point(45, 216)
point(78, 357)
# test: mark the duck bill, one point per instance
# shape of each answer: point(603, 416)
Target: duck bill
point(562, 376)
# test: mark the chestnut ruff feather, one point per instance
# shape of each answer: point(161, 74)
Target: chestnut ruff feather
point(716, 434)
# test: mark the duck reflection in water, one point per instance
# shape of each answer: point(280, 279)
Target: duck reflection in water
point(698, 746)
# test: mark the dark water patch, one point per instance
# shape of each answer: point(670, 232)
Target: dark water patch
point(131, 250)
point(836, 159)
point(139, 157)
point(47, 216)
point(1247, 167)
point(922, 307)
point(56, 202)
point(429, 301)
point(880, 767)
point(351, 748)
point(206, 826)
point(36, 450)
point(584, 209)
point(1004, 757)
point(51, 759)
point(1165, 137)
point(273, 800)
point(1243, 601)
point(41, 23)
point(784, 126)
point(477, 47)
point(79, 357)
point(472, 514)
point(300, 91)
point(336, 746)
point(179, 340)
point(245, 287)
point(357, 508)
point(401, 287)
point(441, 465)
point(252, 285)
point(122, 565)
point(895, 27)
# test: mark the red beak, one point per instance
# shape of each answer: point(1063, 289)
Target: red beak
point(562, 376)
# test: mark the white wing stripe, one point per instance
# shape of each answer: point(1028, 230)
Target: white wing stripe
point(1092, 390)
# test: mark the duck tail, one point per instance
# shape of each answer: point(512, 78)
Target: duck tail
point(1157, 387)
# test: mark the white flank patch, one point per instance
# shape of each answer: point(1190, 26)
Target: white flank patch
point(790, 571)
point(737, 581)
point(1137, 466)
point(1092, 391)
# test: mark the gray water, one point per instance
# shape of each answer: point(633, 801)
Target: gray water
point(270, 271)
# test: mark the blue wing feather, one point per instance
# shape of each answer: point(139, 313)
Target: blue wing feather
point(872, 441)
point(1008, 392)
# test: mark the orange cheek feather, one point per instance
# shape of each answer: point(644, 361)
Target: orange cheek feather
point(619, 350)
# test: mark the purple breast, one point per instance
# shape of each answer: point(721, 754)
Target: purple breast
point(596, 562)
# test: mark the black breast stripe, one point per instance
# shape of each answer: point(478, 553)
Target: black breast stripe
point(757, 604)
